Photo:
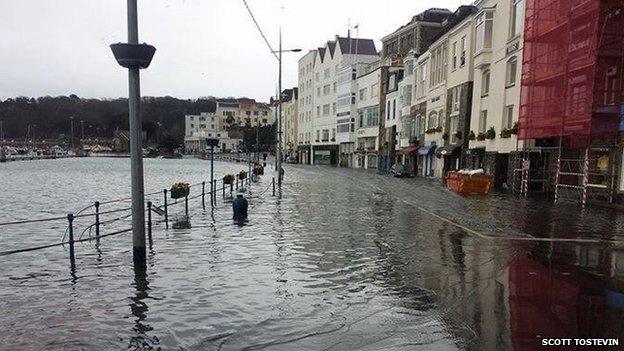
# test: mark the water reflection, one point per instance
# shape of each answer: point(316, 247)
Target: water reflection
point(139, 309)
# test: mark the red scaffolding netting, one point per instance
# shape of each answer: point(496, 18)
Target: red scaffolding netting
point(572, 70)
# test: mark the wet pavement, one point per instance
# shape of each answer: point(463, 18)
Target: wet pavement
point(343, 260)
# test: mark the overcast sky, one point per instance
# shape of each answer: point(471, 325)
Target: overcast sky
point(204, 47)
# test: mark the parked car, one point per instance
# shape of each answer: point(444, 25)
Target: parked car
point(399, 171)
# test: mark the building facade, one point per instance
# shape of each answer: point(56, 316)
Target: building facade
point(328, 61)
point(306, 106)
point(198, 128)
point(367, 121)
point(290, 122)
point(498, 47)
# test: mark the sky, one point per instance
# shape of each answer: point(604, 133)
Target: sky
point(203, 47)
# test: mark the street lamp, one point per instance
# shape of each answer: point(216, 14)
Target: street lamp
point(212, 142)
point(278, 154)
point(135, 56)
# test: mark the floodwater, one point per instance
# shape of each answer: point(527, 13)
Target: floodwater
point(343, 260)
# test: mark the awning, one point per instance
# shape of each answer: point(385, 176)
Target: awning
point(447, 150)
point(410, 150)
point(426, 150)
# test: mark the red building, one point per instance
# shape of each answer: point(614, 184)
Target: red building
point(571, 90)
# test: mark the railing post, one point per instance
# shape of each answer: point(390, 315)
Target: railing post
point(204, 195)
point(149, 222)
point(231, 188)
point(186, 206)
point(273, 180)
point(237, 182)
point(97, 219)
point(166, 211)
point(72, 258)
point(223, 188)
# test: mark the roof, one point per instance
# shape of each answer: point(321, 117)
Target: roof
point(456, 18)
point(363, 46)
point(434, 14)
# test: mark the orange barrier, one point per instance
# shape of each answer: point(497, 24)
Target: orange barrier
point(465, 184)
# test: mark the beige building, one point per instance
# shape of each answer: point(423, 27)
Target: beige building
point(497, 72)
point(290, 122)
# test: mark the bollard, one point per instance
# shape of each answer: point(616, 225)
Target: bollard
point(273, 186)
point(72, 258)
point(186, 206)
point(149, 222)
point(97, 219)
point(236, 182)
point(223, 188)
point(166, 211)
point(204, 195)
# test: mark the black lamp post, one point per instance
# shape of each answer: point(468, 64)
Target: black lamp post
point(212, 142)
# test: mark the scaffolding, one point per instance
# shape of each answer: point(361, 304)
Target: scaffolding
point(571, 90)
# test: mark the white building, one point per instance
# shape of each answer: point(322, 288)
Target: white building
point(367, 122)
point(306, 105)
point(206, 125)
point(497, 72)
point(328, 61)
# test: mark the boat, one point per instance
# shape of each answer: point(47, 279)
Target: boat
point(469, 182)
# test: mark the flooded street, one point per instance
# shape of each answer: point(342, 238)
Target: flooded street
point(344, 260)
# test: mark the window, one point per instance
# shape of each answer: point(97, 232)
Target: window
point(393, 108)
point(318, 91)
point(454, 62)
point(462, 57)
point(512, 67)
point(508, 121)
point(454, 129)
point(432, 122)
point(316, 76)
point(483, 28)
point(409, 67)
point(326, 73)
point(517, 12)
point(334, 87)
point(482, 121)
point(407, 96)
point(485, 83)
point(441, 118)
point(326, 110)
point(334, 108)
point(363, 94)
point(318, 135)
point(374, 90)
point(325, 135)
point(333, 134)
point(318, 111)
point(456, 93)
point(388, 111)
point(326, 89)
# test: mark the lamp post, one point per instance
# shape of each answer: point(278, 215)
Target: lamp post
point(135, 56)
point(212, 142)
point(71, 121)
point(278, 153)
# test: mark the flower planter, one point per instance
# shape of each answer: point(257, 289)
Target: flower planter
point(179, 190)
point(228, 179)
